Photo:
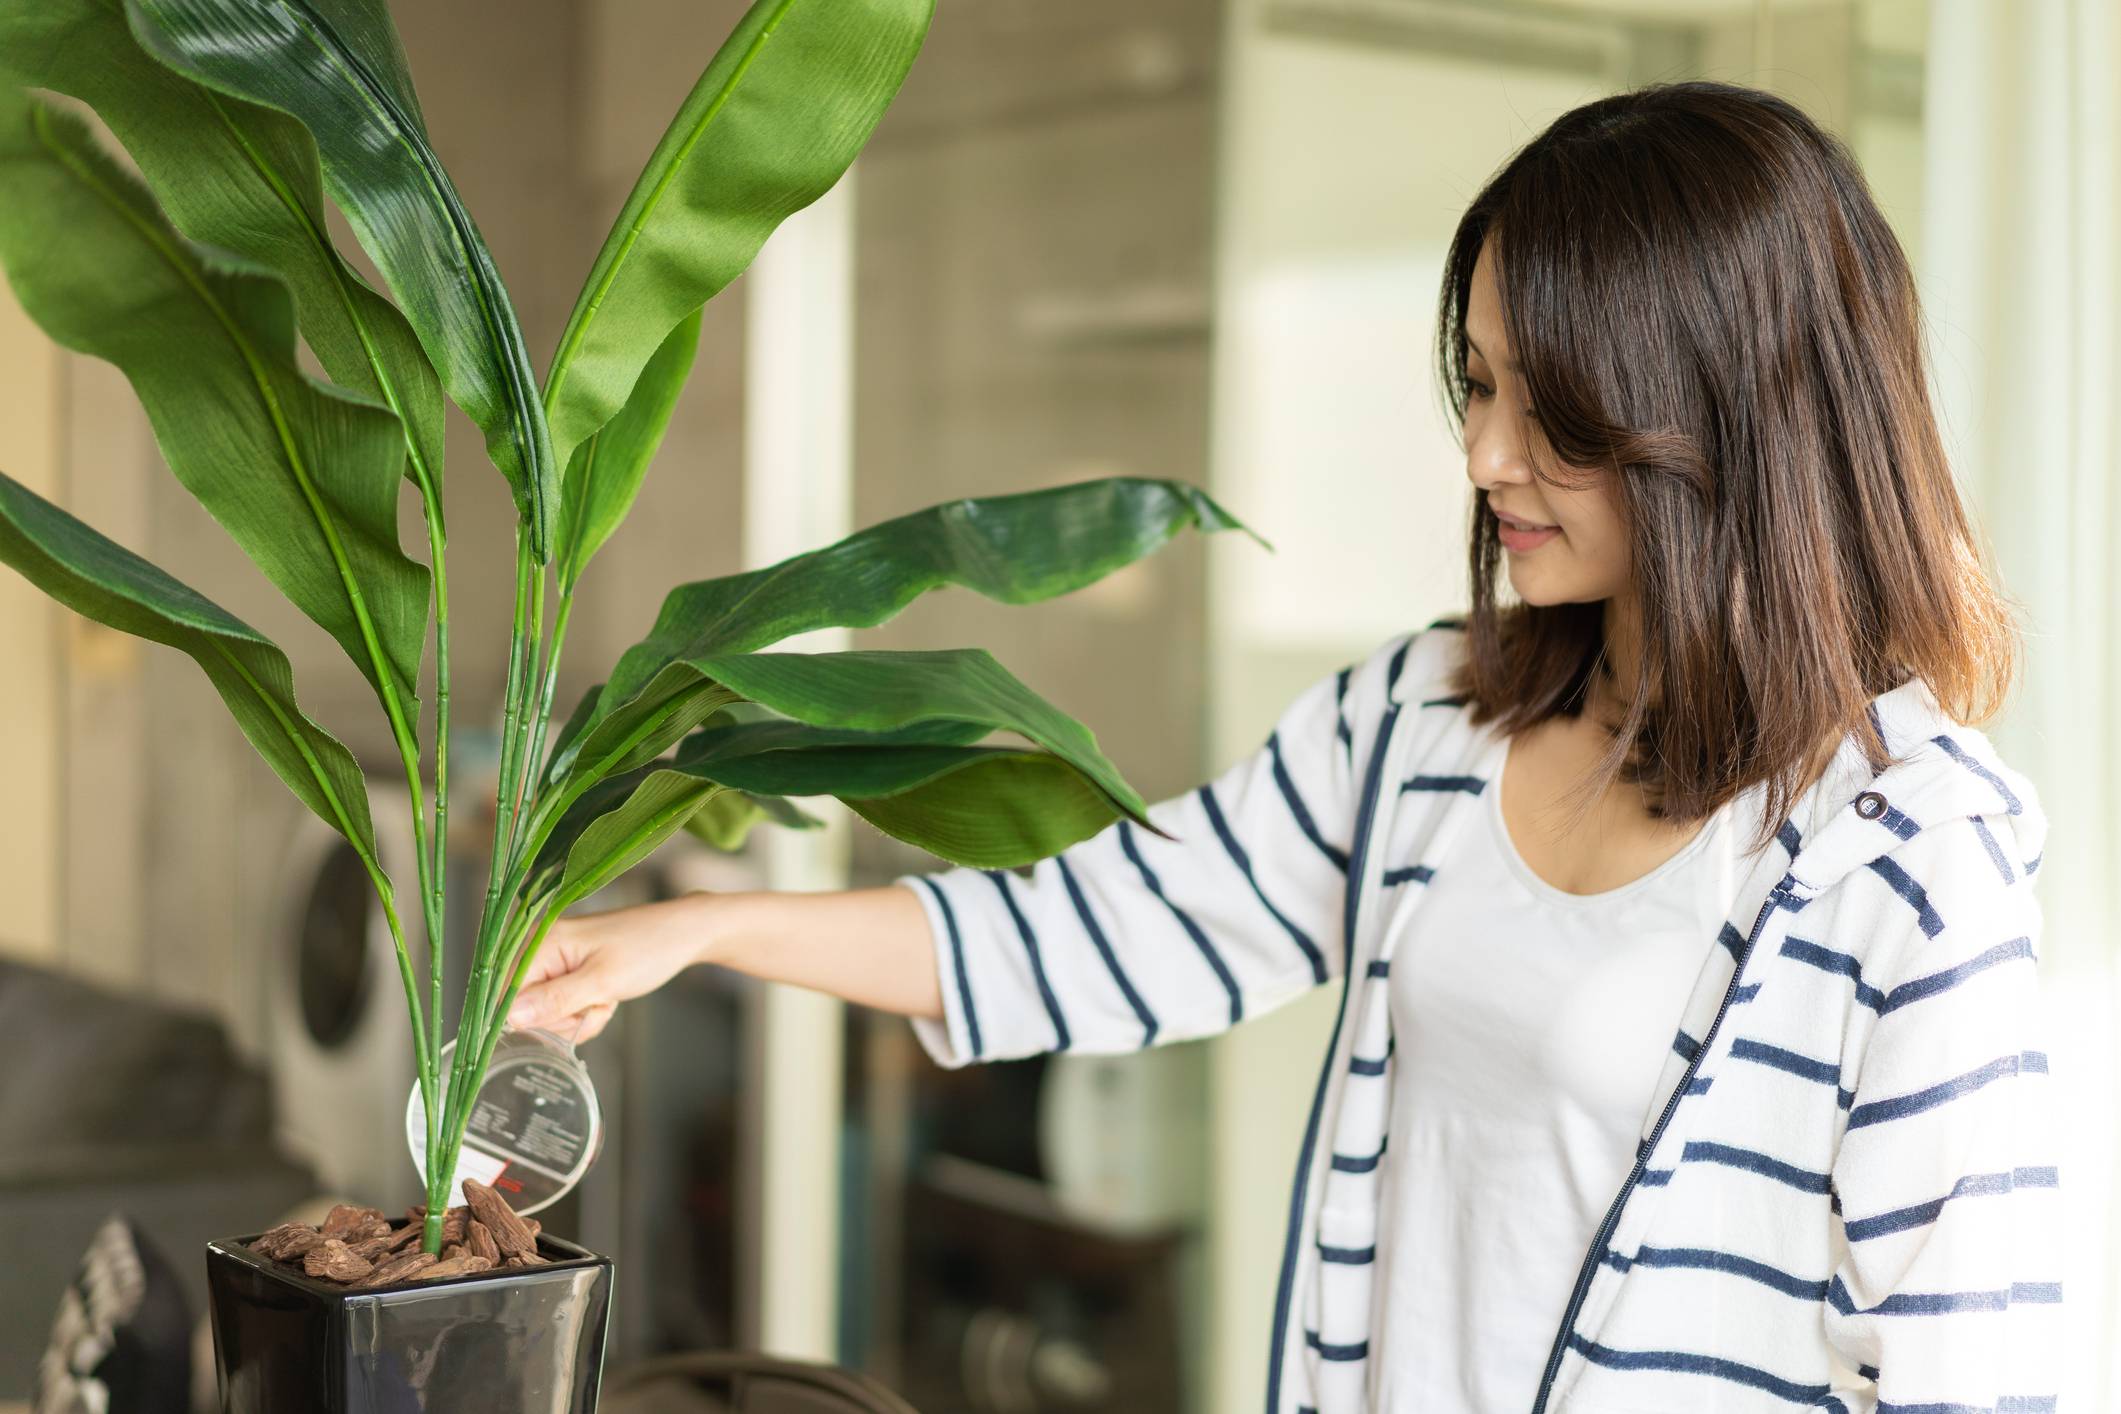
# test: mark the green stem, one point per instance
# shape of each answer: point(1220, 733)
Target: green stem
point(546, 691)
point(427, 1032)
point(513, 956)
point(496, 925)
point(531, 835)
point(412, 1001)
point(512, 710)
point(455, 1137)
point(437, 906)
point(472, 1038)
point(441, 1168)
point(531, 726)
point(520, 969)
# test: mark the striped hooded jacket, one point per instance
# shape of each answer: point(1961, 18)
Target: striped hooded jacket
point(1845, 1193)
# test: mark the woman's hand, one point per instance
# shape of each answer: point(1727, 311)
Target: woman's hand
point(867, 946)
point(588, 965)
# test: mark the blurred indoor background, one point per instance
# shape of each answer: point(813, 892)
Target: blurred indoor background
point(1180, 238)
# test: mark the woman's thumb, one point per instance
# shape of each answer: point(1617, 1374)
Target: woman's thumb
point(549, 1000)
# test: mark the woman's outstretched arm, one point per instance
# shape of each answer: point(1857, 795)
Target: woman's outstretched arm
point(868, 946)
point(1128, 939)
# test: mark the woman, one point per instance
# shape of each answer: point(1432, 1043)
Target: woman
point(1688, 1054)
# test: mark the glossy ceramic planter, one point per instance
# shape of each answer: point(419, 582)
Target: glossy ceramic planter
point(527, 1341)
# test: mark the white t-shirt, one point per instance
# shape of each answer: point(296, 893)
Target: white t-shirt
point(1530, 1025)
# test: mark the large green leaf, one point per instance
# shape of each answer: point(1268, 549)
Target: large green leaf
point(239, 177)
point(657, 808)
point(778, 115)
point(567, 743)
point(1003, 811)
point(106, 582)
point(881, 692)
point(337, 66)
point(640, 730)
point(1018, 549)
point(948, 698)
point(722, 740)
point(990, 807)
point(605, 472)
point(721, 736)
point(305, 478)
point(732, 740)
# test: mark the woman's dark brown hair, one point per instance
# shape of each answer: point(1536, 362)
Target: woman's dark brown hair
point(1708, 307)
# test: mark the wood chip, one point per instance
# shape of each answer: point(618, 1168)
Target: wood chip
point(350, 1221)
point(287, 1242)
point(454, 1267)
point(370, 1249)
point(511, 1234)
point(453, 1250)
point(479, 1238)
point(404, 1237)
point(335, 1261)
point(397, 1269)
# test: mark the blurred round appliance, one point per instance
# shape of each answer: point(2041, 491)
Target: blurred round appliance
point(338, 1038)
point(1122, 1136)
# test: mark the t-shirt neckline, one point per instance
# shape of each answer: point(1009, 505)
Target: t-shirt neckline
point(1539, 887)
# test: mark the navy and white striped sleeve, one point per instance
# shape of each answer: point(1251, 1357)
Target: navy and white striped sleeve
point(1128, 940)
point(1947, 1283)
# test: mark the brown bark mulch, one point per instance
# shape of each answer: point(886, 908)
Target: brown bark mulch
point(362, 1250)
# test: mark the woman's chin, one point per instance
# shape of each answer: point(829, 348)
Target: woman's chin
point(1545, 591)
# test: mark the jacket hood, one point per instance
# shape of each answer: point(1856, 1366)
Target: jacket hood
point(1950, 771)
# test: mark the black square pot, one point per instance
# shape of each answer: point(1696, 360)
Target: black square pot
point(523, 1341)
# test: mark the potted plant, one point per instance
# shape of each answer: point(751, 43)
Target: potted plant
point(197, 278)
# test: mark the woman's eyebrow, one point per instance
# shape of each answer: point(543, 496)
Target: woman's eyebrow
point(1509, 363)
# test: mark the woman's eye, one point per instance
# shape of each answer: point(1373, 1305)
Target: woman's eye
point(1477, 390)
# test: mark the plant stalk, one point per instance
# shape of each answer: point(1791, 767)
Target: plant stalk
point(524, 635)
point(433, 849)
point(438, 912)
point(502, 908)
point(545, 695)
point(485, 1044)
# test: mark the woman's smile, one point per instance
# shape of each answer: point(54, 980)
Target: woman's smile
point(1518, 535)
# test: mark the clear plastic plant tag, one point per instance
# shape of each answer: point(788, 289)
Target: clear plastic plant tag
point(535, 1128)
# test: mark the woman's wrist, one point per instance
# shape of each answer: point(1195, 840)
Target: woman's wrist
point(871, 946)
point(706, 926)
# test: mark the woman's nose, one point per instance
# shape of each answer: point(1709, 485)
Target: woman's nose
point(1495, 456)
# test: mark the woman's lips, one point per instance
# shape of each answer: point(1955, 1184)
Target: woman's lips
point(1519, 539)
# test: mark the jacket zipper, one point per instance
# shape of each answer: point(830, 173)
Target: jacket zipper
point(1642, 1157)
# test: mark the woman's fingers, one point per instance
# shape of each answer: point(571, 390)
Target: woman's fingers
point(599, 960)
point(595, 1019)
point(558, 953)
point(558, 987)
point(563, 978)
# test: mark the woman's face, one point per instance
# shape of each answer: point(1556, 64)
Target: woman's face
point(1579, 555)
